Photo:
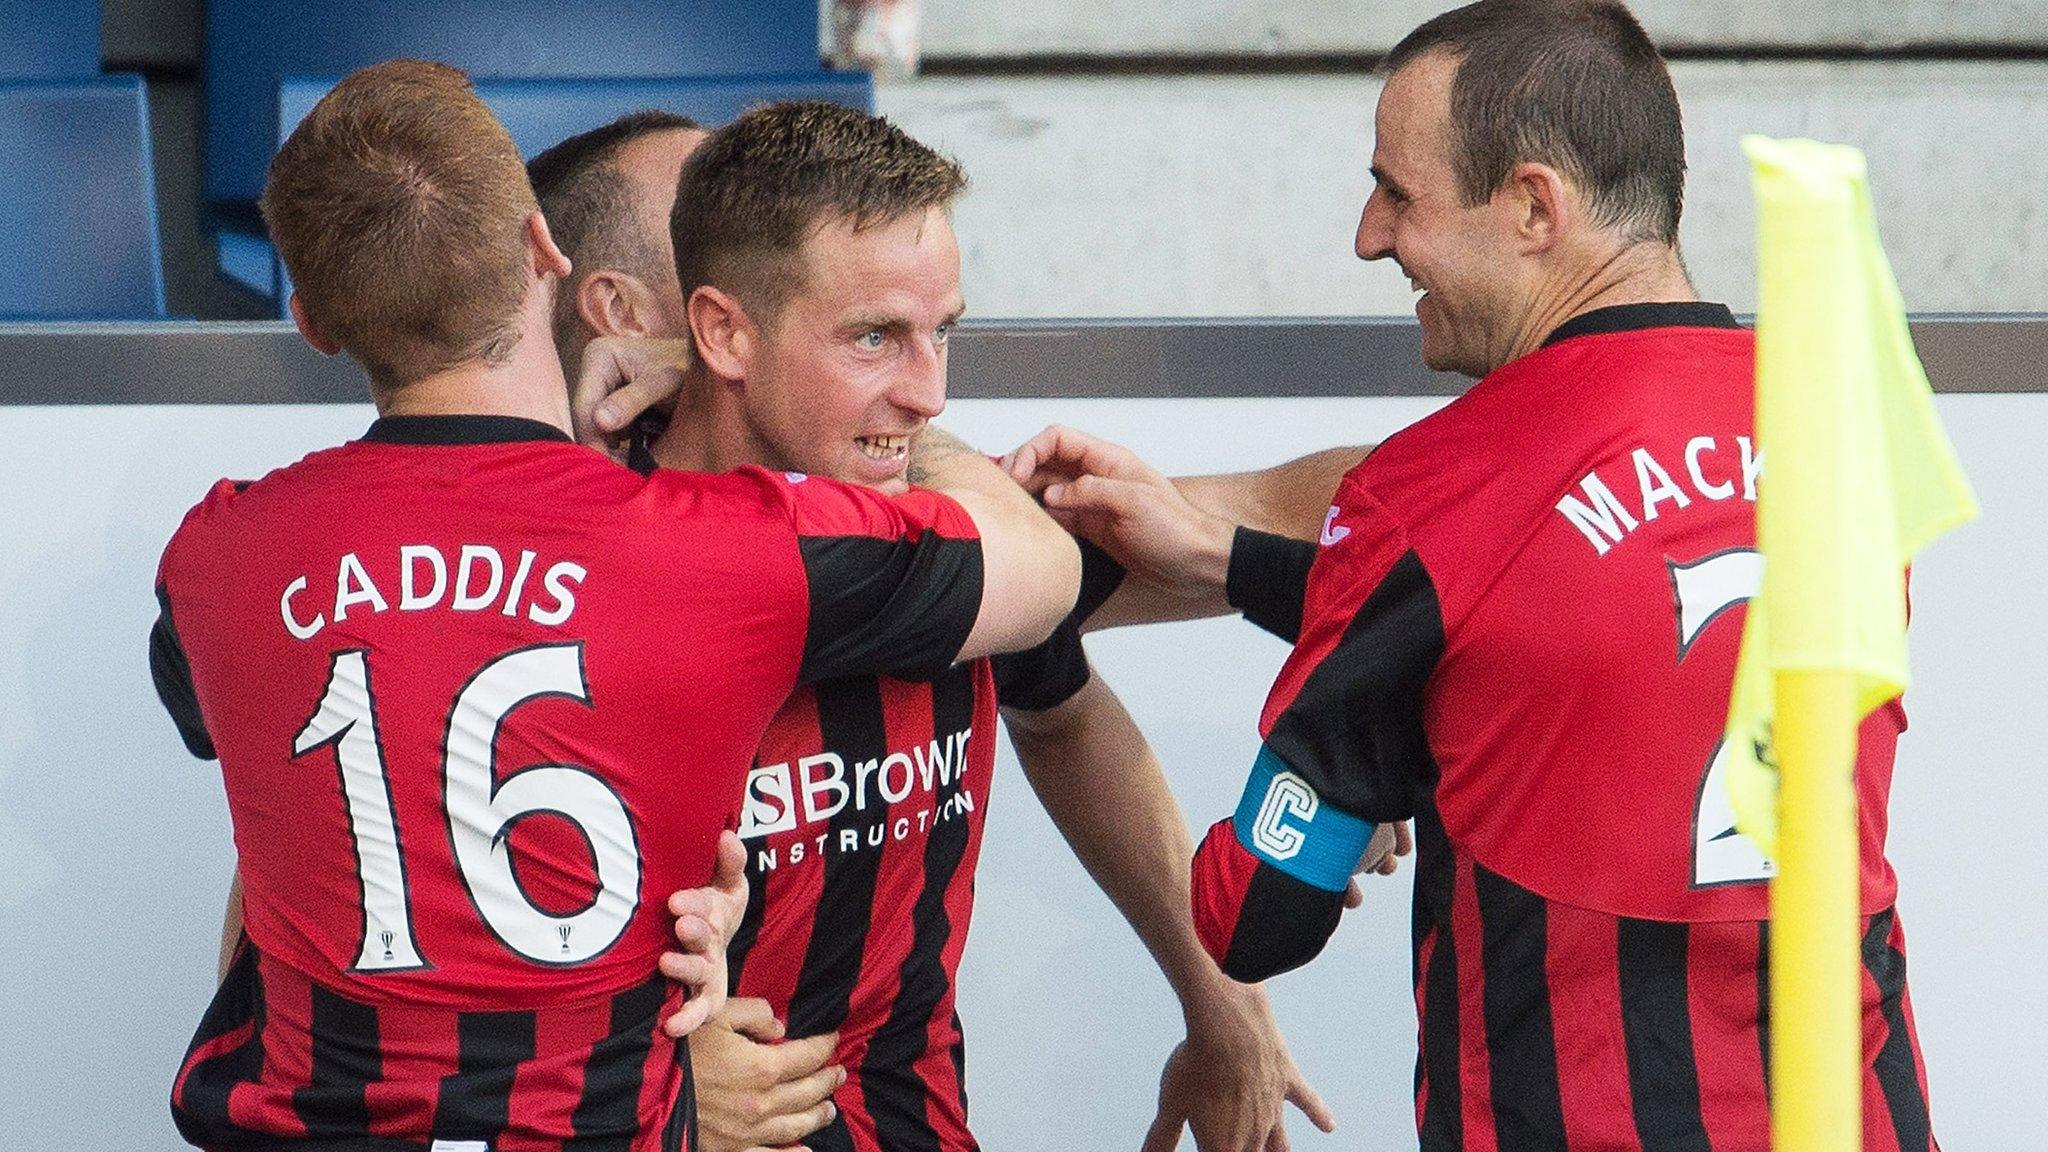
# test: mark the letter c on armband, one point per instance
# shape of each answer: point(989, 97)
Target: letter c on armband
point(1282, 821)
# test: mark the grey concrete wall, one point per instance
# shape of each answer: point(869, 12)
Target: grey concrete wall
point(1237, 195)
point(979, 28)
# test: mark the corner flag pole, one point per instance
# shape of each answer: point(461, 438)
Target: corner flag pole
point(1816, 1001)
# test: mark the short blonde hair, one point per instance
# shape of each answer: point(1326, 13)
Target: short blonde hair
point(400, 207)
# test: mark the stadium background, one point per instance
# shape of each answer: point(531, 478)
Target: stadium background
point(1200, 160)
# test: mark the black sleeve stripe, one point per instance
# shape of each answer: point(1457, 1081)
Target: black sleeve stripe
point(1354, 731)
point(1101, 576)
point(888, 607)
point(1283, 924)
point(173, 675)
point(1046, 676)
point(1268, 580)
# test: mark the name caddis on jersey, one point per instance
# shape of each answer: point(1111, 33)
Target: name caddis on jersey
point(420, 575)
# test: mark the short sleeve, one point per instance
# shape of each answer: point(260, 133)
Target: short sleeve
point(894, 582)
point(1049, 675)
point(172, 672)
point(1346, 714)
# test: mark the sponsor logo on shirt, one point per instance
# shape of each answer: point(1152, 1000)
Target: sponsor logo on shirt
point(810, 790)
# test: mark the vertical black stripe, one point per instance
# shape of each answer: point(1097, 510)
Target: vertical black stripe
point(1436, 1065)
point(680, 1133)
point(959, 1054)
point(1528, 1111)
point(608, 1114)
point(1656, 1028)
point(1896, 1068)
point(749, 931)
point(201, 1111)
point(895, 1092)
point(346, 1060)
point(852, 725)
point(1763, 1000)
point(476, 1101)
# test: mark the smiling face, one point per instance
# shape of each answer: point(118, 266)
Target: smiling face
point(1463, 258)
point(849, 368)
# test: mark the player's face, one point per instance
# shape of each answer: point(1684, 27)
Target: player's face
point(854, 363)
point(1462, 258)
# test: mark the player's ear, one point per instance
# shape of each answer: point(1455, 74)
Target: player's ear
point(547, 258)
point(724, 336)
point(1540, 204)
point(614, 303)
point(311, 331)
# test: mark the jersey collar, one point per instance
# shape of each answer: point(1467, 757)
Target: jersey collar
point(1633, 317)
point(461, 430)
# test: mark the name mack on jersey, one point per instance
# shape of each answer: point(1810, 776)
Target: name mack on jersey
point(421, 576)
point(813, 789)
point(1714, 467)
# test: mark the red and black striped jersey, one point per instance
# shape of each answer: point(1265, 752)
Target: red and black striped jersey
point(482, 699)
point(1520, 631)
point(863, 823)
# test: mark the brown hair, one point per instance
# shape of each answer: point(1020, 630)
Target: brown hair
point(754, 189)
point(1575, 84)
point(399, 206)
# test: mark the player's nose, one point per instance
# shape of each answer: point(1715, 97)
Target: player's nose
point(1375, 238)
point(921, 388)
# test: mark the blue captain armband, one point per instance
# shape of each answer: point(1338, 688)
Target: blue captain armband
point(1284, 823)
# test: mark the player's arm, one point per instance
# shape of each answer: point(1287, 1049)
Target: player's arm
point(1195, 546)
point(171, 671)
point(1343, 753)
point(1103, 787)
point(907, 585)
point(1031, 568)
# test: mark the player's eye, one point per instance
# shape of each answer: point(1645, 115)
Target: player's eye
point(943, 332)
point(872, 339)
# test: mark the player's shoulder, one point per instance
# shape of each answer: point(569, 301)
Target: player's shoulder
point(228, 499)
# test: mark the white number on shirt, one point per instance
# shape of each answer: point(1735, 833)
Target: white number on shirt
point(481, 812)
point(1704, 590)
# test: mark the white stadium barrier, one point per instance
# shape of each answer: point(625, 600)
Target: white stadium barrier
point(114, 849)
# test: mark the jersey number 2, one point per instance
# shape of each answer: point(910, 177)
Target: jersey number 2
point(481, 812)
point(1705, 589)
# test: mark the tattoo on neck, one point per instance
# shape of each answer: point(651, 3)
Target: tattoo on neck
point(933, 445)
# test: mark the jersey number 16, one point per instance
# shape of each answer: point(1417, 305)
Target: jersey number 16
point(481, 812)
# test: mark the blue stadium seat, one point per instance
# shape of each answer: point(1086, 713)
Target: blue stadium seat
point(50, 39)
point(251, 45)
point(78, 228)
point(538, 113)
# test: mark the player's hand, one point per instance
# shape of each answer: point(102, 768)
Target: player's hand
point(754, 1091)
point(1105, 492)
point(621, 379)
point(1382, 857)
point(706, 918)
point(1228, 1080)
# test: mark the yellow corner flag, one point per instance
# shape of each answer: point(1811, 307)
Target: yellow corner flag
point(1859, 478)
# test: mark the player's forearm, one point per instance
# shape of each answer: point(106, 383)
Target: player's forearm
point(1031, 568)
point(1288, 499)
point(1103, 787)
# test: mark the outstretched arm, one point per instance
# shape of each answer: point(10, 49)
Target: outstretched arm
point(1184, 540)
